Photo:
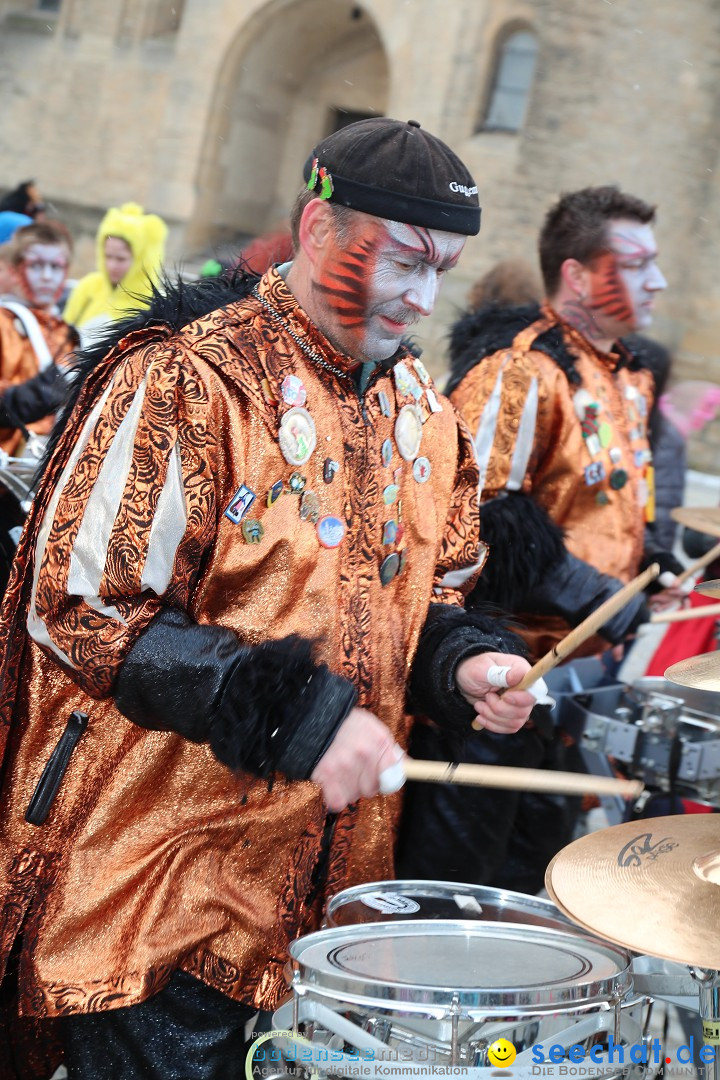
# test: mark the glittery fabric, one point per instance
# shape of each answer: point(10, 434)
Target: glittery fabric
point(603, 526)
point(18, 361)
point(154, 856)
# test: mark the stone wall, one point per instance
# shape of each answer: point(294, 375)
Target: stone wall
point(203, 111)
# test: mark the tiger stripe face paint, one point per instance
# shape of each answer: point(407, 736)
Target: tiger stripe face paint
point(624, 279)
point(374, 285)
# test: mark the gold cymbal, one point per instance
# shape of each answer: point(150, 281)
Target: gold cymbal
point(703, 518)
point(702, 672)
point(651, 885)
point(708, 588)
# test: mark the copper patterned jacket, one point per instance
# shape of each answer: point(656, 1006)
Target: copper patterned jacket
point(579, 449)
point(155, 856)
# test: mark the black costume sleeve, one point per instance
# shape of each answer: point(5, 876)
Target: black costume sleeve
point(573, 589)
point(449, 635)
point(261, 708)
point(536, 573)
point(33, 399)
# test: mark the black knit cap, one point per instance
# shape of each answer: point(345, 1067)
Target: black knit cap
point(395, 170)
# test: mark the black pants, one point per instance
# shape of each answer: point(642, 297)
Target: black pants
point(503, 839)
point(188, 1031)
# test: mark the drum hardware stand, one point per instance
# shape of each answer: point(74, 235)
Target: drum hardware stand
point(709, 991)
point(454, 1037)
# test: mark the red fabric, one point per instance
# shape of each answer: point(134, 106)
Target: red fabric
point(684, 639)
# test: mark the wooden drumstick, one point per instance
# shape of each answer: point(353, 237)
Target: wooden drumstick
point(503, 776)
point(699, 564)
point(588, 627)
point(684, 614)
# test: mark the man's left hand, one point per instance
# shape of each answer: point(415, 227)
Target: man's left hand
point(503, 714)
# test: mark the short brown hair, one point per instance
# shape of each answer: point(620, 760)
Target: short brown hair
point(576, 227)
point(41, 232)
point(341, 214)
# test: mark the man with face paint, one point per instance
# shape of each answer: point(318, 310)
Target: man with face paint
point(247, 560)
point(558, 406)
point(34, 341)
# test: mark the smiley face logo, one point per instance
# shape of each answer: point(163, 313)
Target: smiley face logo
point(501, 1053)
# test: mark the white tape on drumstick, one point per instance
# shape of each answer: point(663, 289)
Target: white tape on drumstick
point(393, 777)
point(497, 676)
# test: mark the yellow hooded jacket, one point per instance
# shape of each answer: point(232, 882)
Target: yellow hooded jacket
point(94, 298)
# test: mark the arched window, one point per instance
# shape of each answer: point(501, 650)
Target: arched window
point(510, 92)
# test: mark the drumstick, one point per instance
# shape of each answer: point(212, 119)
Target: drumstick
point(588, 627)
point(685, 614)
point(503, 776)
point(699, 564)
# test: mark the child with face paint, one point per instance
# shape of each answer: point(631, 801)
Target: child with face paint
point(35, 343)
point(558, 405)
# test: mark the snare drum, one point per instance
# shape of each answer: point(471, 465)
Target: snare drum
point(442, 991)
point(386, 901)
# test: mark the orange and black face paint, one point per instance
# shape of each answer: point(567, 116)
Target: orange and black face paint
point(344, 280)
point(609, 293)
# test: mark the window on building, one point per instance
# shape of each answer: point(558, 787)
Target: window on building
point(510, 90)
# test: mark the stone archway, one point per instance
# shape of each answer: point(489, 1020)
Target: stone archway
point(288, 78)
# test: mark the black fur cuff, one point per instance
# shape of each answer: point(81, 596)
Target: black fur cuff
point(524, 544)
point(450, 635)
point(263, 708)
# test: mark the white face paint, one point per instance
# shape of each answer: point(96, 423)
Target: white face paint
point(42, 273)
point(626, 278)
point(373, 286)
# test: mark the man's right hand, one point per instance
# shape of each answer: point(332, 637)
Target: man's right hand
point(350, 768)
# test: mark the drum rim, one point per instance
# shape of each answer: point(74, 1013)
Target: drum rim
point(341, 899)
point(338, 985)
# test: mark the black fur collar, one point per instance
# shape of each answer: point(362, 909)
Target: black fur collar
point(173, 305)
point(478, 334)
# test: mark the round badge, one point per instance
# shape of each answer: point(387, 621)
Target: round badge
point(331, 531)
point(615, 455)
point(293, 391)
point(390, 494)
point(618, 479)
point(602, 498)
point(389, 568)
point(421, 470)
point(297, 436)
point(408, 432)
point(387, 452)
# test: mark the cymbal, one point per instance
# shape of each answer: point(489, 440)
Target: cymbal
point(651, 885)
point(703, 518)
point(708, 588)
point(702, 672)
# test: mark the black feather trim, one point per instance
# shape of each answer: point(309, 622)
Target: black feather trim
point(261, 708)
point(478, 334)
point(280, 710)
point(449, 635)
point(174, 303)
point(524, 544)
